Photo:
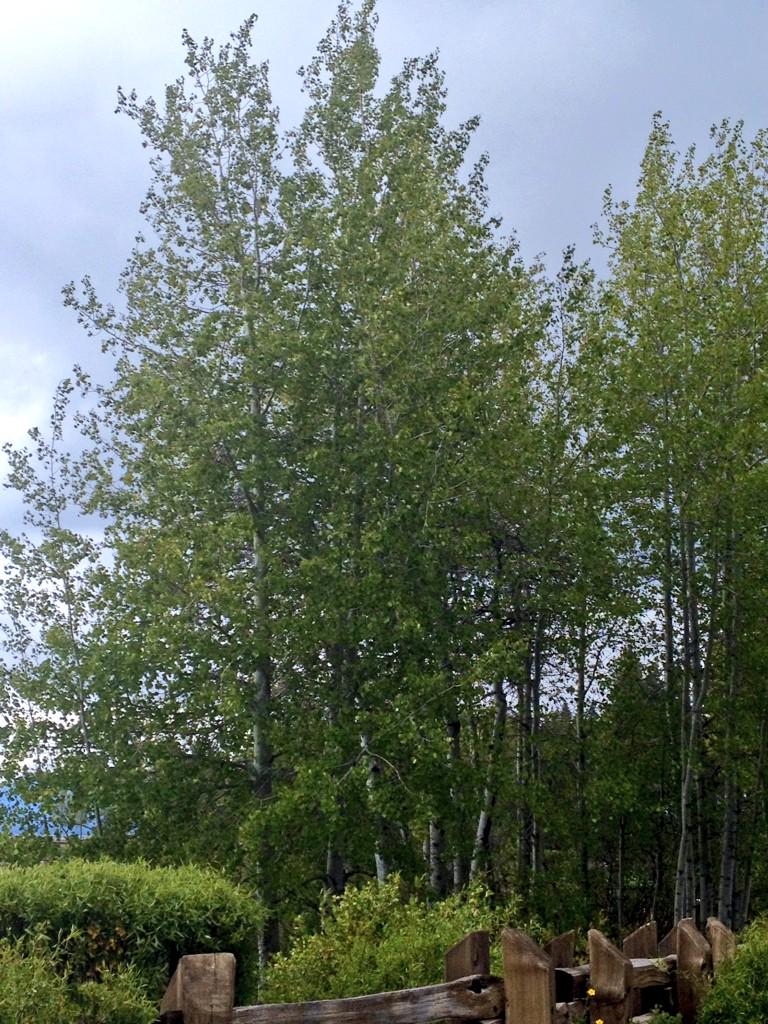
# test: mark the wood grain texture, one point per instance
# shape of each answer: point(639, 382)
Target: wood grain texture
point(610, 975)
point(668, 944)
point(643, 942)
point(722, 942)
point(470, 956)
point(694, 960)
point(172, 1000)
point(647, 973)
point(561, 949)
point(480, 997)
point(529, 984)
point(202, 989)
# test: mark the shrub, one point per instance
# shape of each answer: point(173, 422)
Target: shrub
point(34, 991)
point(739, 995)
point(119, 998)
point(100, 917)
point(373, 940)
point(31, 991)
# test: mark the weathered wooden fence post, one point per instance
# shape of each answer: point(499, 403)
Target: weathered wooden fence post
point(694, 959)
point(201, 991)
point(529, 982)
point(610, 972)
point(643, 942)
point(722, 940)
point(668, 945)
point(472, 955)
point(561, 949)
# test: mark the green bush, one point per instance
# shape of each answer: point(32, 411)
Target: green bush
point(100, 917)
point(119, 998)
point(373, 940)
point(739, 995)
point(33, 990)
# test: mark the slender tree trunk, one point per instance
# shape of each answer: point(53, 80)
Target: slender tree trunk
point(372, 782)
point(581, 764)
point(689, 732)
point(703, 867)
point(335, 872)
point(537, 851)
point(261, 755)
point(437, 874)
point(620, 879)
point(523, 777)
point(744, 893)
point(693, 873)
point(728, 857)
point(482, 842)
point(731, 802)
point(459, 867)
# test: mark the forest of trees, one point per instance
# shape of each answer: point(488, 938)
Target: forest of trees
point(382, 551)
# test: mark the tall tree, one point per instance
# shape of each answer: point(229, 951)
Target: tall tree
point(686, 355)
point(313, 363)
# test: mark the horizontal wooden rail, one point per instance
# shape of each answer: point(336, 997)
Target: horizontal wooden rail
point(645, 973)
point(478, 997)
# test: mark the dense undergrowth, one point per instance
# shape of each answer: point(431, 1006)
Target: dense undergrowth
point(380, 937)
point(740, 993)
point(97, 942)
point(36, 988)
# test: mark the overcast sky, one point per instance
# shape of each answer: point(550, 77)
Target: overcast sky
point(565, 88)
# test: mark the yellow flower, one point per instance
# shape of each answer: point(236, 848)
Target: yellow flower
point(599, 1021)
point(591, 992)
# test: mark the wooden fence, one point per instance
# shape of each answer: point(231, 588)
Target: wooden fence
point(538, 986)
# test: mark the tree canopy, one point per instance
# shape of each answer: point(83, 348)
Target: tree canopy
point(413, 558)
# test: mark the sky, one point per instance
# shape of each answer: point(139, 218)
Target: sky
point(565, 88)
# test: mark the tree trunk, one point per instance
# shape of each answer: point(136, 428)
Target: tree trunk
point(581, 764)
point(537, 845)
point(485, 818)
point(728, 860)
point(459, 868)
point(372, 782)
point(743, 894)
point(437, 875)
point(689, 729)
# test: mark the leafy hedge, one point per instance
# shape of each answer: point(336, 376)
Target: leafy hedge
point(98, 918)
point(739, 994)
point(33, 990)
point(374, 939)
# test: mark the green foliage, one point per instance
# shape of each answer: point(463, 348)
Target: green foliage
point(383, 508)
point(739, 995)
point(118, 998)
point(36, 987)
point(31, 990)
point(375, 939)
point(101, 917)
